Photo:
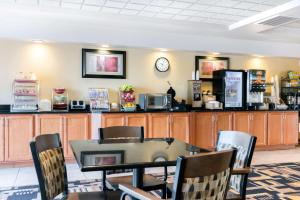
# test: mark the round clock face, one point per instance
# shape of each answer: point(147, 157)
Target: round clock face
point(162, 64)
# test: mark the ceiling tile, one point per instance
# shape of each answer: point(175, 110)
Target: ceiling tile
point(114, 4)
point(179, 4)
point(180, 17)
point(171, 10)
point(189, 12)
point(90, 8)
point(128, 12)
point(110, 10)
point(134, 6)
point(161, 2)
point(198, 7)
point(49, 3)
point(28, 2)
point(164, 16)
point(75, 6)
point(140, 1)
point(94, 2)
point(147, 14)
point(153, 8)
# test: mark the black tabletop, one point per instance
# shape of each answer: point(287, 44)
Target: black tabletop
point(92, 156)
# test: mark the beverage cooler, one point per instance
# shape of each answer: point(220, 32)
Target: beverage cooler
point(229, 88)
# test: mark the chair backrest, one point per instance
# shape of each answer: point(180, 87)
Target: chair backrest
point(50, 166)
point(203, 176)
point(245, 144)
point(121, 134)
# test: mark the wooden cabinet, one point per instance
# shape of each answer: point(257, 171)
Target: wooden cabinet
point(108, 120)
point(259, 127)
point(290, 128)
point(76, 127)
point(139, 119)
point(49, 124)
point(208, 125)
point(282, 128)
point(128, 119)
point(1, 138)
point(180, 126)
point(254, 123)
point(159, 125)
point(19, 131)
point(204, 131)
point(176, 125)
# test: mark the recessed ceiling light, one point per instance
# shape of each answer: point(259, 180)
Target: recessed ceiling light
point(105, 45)
point(38, 41)
point(215, 53)
point(163, 50)
point(258, 56)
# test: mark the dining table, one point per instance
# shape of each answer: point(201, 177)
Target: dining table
point(120, 154)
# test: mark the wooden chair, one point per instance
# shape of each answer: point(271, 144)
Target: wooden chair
point(127, 134)
point(49, 162)
point(202, 176)
point(245, 144)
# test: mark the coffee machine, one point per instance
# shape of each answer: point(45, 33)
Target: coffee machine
point(256, 86)
point(194, 93)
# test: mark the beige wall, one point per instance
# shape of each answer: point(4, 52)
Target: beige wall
point(59, 65)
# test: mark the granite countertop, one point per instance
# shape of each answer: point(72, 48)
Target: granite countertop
point(5, 109)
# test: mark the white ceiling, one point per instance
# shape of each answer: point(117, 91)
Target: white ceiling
point(196, 25)
point(222, 12)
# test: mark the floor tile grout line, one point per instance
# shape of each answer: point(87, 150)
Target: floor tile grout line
point(15, 181)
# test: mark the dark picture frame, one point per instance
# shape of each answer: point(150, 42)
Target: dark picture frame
point(206, 65)
point(102, 157)
point(103, 64)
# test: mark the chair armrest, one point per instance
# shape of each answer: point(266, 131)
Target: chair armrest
point(241, 171)
point(136, 192)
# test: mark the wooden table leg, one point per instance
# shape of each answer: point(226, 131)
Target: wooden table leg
point(137, 177)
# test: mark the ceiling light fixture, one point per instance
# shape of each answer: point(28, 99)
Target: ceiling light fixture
point(266, 14)
point(163, 50)
point(38, 41)
point(105, 45)
point(215, 53)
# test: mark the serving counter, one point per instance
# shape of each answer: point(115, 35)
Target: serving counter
point(274, 129)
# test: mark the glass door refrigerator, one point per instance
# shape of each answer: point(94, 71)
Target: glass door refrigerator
point(229, 88)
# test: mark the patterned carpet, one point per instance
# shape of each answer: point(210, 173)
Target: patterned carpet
point(267, 182)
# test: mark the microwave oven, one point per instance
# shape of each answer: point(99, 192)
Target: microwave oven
point(155, 101)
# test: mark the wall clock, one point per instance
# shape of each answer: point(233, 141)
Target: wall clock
point(162, 64)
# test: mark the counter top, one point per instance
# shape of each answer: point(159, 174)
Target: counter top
point(5, 109)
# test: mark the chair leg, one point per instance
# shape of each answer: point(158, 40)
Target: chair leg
point(104, 181)
point(165, 173)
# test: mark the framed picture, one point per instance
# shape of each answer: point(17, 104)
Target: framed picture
point(103, 64)
point(206, 65)
point(93, 158)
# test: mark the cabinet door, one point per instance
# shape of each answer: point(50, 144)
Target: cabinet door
point(204, 131)
point(108, 120)
point(290, 131)
point(275, 128)
point(137, 120)
point(180, 127)
point(223, 122)
point(259, 127)
point(49, 124)
point(241, 121)
point(1, 138)
point(19, 131)
point(159, 125)
point(76, 128)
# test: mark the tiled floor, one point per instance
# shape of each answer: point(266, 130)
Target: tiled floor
point(26, 175)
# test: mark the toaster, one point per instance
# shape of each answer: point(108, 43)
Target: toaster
point(77, 105)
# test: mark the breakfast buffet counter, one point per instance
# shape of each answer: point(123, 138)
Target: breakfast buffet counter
point(273, 129)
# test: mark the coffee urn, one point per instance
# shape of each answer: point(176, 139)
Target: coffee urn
point(194, 93)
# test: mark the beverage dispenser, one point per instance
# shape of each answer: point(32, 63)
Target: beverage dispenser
point(194, 93)
point(256, 86)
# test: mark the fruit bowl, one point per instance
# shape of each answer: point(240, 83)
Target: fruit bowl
point(129, 109)
point(59, 90)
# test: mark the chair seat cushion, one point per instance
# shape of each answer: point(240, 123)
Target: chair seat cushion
point(107, 195)
point(232, 195)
